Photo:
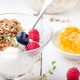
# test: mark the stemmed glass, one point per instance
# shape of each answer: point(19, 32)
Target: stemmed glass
point(18, 63)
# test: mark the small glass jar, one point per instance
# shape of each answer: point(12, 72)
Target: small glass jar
point(58, 6)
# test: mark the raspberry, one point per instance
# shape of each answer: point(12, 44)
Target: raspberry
point(32, 45)
point(34, 35)
point(73, 74)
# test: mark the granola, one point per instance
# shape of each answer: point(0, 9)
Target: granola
point(8, 28)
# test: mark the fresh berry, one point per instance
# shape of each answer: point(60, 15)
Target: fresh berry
point(73, 74)
point(32, 45)
point(34, 35)
point(22, 38)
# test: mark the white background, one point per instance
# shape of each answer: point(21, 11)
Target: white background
point(49, 53)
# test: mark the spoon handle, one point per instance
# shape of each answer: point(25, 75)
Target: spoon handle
point(45, 6)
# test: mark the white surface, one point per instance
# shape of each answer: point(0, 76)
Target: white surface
point(49, 53)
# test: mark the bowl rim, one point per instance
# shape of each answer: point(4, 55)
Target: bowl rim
point(31, 15)
point(63, 52)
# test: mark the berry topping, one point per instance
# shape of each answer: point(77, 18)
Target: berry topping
point(34, 35)
point(22, 38)
point(32, 45)
point(73, 74)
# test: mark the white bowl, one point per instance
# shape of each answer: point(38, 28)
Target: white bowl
point(63, 53)
point(57, 6)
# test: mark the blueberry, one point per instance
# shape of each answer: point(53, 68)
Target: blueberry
point(22, 38)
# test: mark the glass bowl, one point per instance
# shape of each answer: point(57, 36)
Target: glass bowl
point(15, 63)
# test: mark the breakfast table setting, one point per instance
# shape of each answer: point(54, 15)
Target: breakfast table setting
point(54, 61)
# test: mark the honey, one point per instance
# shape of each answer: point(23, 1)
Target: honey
point(69, 40)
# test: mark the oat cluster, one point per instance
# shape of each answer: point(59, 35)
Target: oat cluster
point(8, 29)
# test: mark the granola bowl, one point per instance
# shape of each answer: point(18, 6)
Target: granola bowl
point(15, 61)
point(57, 6)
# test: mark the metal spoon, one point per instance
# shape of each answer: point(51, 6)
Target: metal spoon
point(45, 6)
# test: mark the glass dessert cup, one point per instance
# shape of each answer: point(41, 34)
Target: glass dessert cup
point(16, 63)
